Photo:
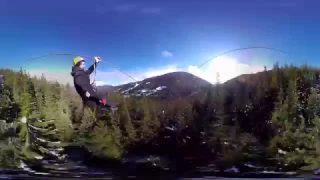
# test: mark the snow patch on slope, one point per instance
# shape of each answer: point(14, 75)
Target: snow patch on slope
point(136, 85)
point(160, 88)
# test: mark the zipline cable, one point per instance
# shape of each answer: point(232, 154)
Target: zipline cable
point(240, 49)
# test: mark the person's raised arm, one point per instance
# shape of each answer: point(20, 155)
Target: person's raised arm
point(93, 66)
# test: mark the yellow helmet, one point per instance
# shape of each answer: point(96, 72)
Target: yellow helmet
point(77, 59)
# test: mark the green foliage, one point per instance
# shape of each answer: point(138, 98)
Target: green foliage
point(9, 156)
point(269, 114)
point(105, 141)
point(128, 131)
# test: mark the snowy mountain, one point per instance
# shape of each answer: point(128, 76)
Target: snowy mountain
point(171, 85)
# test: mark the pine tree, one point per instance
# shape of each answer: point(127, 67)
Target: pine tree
point(8, 107)
point(209, 111)
point(144, 131)
point(105, 142)
point(63, 122)
point(126, 123)
point(25, 99)
point(197, 114)
point(15, 87)
point(313, 108)
point(228, 108)
point(292, 101)
point(87, 121)
point(275, 76)
point(311, 158)
point(293, 134)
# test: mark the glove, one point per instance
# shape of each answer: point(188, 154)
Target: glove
point(87, 94)
point(97, 59)
point(104, 101)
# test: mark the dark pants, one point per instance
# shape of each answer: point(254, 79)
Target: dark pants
point(96, 107)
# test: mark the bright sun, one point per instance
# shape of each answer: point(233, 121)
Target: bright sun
point(226, 67)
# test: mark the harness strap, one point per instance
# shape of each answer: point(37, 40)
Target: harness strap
point(94, 77)
point(95, 72)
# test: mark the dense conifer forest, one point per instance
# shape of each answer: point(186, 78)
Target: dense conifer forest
point(271, 117)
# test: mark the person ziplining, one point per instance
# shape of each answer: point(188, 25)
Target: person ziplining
point(85, 89)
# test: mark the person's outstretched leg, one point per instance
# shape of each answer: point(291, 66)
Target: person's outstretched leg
point(110, 104)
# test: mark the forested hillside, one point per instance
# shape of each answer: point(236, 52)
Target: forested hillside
point(271, 117)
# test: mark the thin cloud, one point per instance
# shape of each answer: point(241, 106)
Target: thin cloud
point(100, 9)
point(125, 7)
point(150, 10)
point(166, 54)
point(283, 3)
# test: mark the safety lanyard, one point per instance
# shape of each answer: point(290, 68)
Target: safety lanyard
point(94, 77)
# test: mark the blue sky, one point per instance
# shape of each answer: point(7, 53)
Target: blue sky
point(148, 37)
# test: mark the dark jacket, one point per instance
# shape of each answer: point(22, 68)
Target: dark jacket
point(81, 79)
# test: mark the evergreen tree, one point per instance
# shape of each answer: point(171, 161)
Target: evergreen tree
point(104, 141)
point(275, 76)
point(64, 122)
point(8, 107)
point(145, 134)
point(228, 108)
point(129, 132)
point(25, 99)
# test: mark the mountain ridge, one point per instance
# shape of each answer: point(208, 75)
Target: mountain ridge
point(178, 84)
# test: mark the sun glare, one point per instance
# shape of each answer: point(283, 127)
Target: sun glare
point(226, 67)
